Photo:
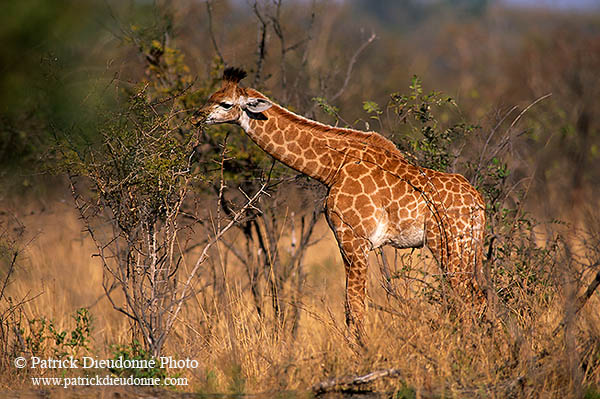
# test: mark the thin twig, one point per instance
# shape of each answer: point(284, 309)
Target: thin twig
point(212, 33)
point(353, 60)
point(261, 50)
point(10, 271)
point(581, 301)
point(204, 254)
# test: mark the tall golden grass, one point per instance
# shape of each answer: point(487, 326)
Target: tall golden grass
point(440, 348)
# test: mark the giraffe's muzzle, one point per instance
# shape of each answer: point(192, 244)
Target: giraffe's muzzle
point(199, 118)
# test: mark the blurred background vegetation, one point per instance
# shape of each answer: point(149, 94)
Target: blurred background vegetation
point(64, 63)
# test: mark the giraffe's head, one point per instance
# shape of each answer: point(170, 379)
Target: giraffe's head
point(231, 101)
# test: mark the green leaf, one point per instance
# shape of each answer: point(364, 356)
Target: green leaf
point(371, 107)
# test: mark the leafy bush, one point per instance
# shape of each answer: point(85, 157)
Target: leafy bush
point(412, 122)
point(43, 338)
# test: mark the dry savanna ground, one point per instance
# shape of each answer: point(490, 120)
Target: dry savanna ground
point(437, 345)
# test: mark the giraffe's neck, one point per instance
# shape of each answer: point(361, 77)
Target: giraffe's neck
point(297, 142)
point(310, 147)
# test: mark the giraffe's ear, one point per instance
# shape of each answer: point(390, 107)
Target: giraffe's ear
point(257, 105)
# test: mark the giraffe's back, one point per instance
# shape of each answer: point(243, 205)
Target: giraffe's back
point(390, 201)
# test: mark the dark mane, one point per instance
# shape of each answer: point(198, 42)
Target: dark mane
point(233, 74)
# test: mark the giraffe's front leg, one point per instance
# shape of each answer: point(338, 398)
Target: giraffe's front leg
point(353, 249)
point(355, 262)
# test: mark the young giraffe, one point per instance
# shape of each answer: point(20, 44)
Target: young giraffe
point(375, 196)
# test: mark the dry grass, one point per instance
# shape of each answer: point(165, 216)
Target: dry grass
point(442, 348)
point(58, 269)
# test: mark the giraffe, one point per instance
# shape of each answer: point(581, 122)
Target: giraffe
point(375, 196)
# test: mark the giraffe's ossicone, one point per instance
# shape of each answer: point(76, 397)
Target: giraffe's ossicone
point(375, 196)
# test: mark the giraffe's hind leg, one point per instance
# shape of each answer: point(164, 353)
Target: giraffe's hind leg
point(458, 252)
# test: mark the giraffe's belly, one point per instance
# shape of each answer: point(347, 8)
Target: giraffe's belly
point(411, 237)
point(404, 237)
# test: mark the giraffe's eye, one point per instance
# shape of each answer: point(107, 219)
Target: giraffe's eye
point(226, 105)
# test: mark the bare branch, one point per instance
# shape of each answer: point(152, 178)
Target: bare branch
point(351, 383)
point(212, 33)
point(581, 301)
point(278, 29)
point(9, 273)
point(353, 60)
point(261, 51)
point(482, 162)
point(237, 216)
